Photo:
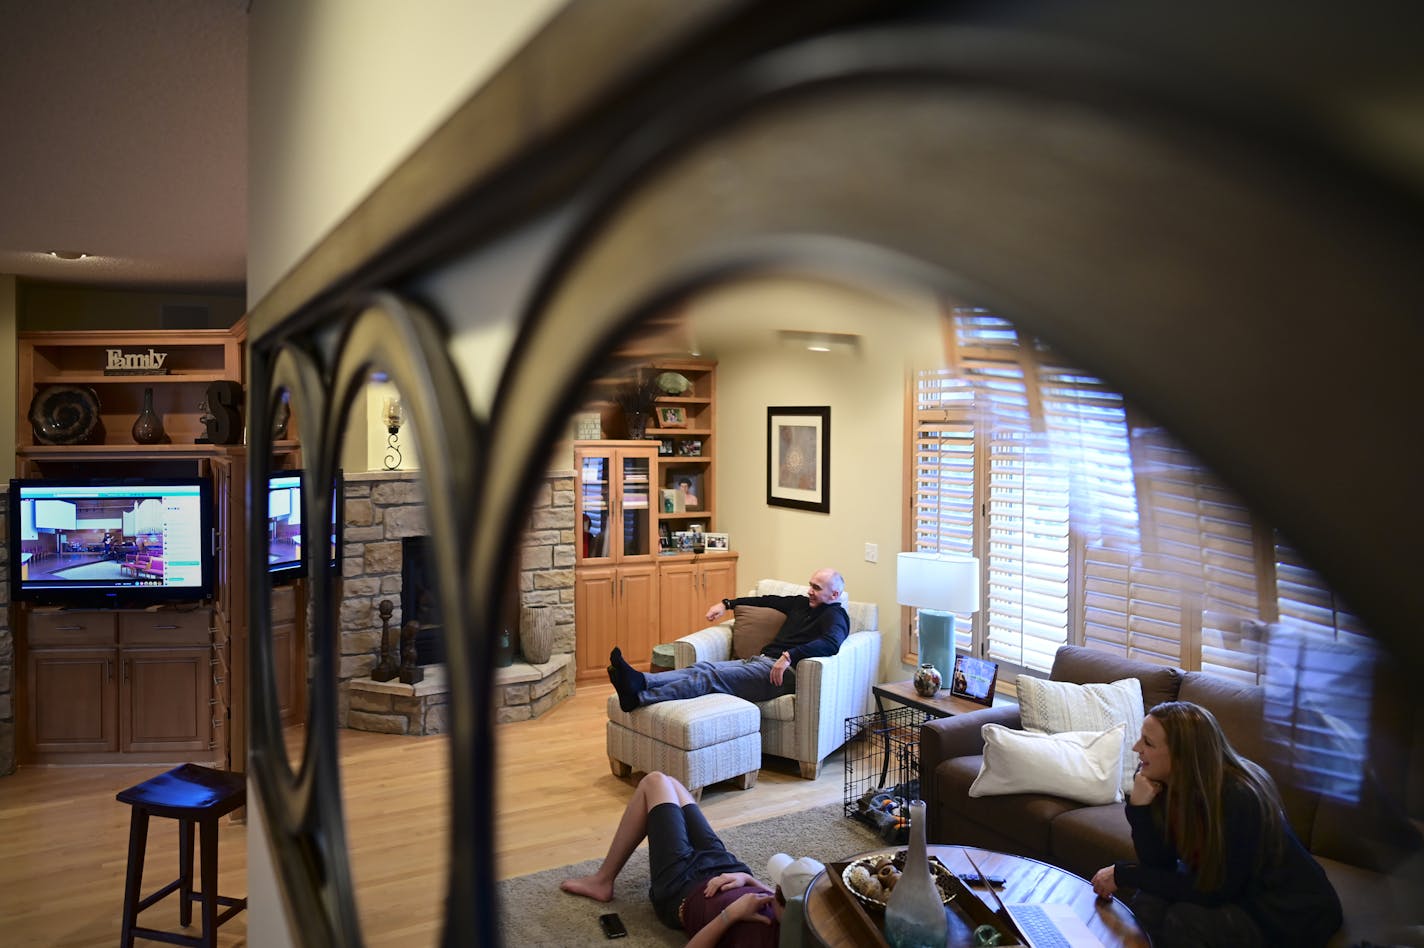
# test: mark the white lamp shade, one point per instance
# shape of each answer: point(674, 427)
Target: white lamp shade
point(939, 581)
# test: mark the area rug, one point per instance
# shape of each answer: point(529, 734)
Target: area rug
point(534, 911)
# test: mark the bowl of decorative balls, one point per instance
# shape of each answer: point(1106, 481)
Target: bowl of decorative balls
point(873, 878)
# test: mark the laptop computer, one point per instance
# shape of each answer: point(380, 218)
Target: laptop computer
point(1043, 924)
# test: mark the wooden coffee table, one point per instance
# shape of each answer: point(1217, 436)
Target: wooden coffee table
point(1026, 880)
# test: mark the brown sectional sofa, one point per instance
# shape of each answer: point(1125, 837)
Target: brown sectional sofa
point(1372, 851)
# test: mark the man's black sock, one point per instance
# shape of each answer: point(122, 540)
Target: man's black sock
point(627, 680)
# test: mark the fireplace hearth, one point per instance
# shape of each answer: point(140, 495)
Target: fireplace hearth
point(386, 556)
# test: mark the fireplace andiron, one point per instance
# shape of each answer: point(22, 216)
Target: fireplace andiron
point(410, 670)
point(388, 666)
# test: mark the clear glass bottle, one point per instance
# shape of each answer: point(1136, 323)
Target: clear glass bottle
point(914, 915)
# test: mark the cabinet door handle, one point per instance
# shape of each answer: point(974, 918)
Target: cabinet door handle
point(108, 670)
point(127, 662)
point(165, 628)
point(69, 628)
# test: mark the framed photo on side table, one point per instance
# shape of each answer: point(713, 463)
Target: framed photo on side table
point(974, 679)
point(798, 458)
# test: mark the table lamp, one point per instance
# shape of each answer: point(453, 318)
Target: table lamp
point(939, 585)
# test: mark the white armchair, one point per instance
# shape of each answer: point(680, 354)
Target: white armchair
point(809, 724)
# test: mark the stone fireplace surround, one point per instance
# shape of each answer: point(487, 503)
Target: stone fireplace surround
point(382, 509)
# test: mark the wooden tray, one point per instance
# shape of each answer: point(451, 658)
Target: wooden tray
point(969, 913)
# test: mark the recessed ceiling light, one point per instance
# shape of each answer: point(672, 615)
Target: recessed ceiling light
point(68, 254)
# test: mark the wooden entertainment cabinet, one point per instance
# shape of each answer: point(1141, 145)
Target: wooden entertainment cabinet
point(136, 683)
point(163, 684)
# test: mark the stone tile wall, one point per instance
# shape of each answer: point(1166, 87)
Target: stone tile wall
point(385, 507)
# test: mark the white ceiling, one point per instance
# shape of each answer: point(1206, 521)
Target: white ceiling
point(123, 134)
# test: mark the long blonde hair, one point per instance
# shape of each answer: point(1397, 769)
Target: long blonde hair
point(1203, 763)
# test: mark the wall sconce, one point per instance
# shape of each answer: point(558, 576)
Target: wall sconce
point(393, 427)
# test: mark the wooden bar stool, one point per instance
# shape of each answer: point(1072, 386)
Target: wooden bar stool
point(189, 794)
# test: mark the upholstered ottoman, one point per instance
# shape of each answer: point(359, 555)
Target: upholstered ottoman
point(699, 741)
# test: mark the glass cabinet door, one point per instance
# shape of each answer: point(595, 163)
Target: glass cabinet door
point(595, 500)
point(637, 512)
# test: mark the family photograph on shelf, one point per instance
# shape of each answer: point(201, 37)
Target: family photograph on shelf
point(672, 416)
point(682, 492)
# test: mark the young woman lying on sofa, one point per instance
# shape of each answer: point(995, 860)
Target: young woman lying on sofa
point(1218, 865)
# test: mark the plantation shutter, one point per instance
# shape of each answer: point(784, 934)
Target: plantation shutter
point(1027, 551)
point(944, 505)
point(1199, 537)
point(1026, 546)
point(1087, 427)
point(1303, 599)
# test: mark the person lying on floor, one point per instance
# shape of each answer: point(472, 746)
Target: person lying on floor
point(816, 625)
point(696, 885)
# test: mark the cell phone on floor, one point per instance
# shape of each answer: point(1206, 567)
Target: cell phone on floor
point(973, 878)
point(612, 926)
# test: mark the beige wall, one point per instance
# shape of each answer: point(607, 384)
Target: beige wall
point(338, 94)
point(865, 392)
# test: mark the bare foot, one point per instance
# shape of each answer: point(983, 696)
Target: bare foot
point(590, 887)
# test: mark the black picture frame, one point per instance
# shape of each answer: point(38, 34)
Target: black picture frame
point(974, 679)
point(798, 458)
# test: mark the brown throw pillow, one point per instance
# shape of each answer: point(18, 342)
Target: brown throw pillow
point(754, 628)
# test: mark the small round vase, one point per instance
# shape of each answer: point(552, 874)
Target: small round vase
point(927, 681)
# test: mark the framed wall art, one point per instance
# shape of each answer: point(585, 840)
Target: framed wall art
point(798, 458)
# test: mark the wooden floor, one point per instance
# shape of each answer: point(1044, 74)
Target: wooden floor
point(63, 837)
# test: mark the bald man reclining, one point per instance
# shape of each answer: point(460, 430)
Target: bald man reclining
point(816, 625)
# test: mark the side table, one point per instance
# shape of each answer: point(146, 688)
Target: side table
point(942, 705)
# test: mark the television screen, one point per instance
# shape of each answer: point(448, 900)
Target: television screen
point(284, 525)
point(121, 542)
point(285, 506)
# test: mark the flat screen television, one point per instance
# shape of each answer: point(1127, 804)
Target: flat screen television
point(119, 542)
point(285, 508)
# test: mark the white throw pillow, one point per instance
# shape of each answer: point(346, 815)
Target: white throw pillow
point(1078, 765)
point(1052, 707)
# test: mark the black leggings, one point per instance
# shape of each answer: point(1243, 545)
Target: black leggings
point(1188, 925)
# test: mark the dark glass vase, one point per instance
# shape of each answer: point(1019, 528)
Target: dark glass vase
point(148, 427)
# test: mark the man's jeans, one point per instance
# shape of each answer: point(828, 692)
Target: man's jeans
point(748, 679)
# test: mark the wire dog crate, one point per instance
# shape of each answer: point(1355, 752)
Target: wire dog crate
point(882, 755)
